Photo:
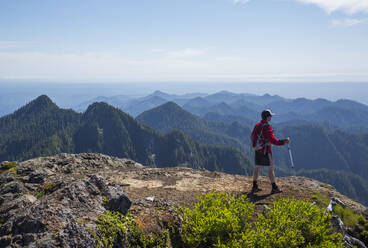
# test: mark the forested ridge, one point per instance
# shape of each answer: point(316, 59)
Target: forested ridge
point(41, 128)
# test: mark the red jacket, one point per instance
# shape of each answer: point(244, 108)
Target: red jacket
point(268, 135)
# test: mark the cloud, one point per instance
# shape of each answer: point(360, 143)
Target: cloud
point(98, 66)
point(158, 50)
point(184, 65)
point(348, 22)
point(240, 1)
point(330, 6)
point(347, 6)
point(186, 53)
point(181, 54)
point(13, 44)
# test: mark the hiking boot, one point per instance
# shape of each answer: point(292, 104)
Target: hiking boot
point(276, 190)
point(256, 189)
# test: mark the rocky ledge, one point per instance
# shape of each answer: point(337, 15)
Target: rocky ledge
point(55, 201)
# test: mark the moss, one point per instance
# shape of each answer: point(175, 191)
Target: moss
point(160, 208)
point(44, 189)
point(2, 221)
point(364, 235)
point(104, 200)
point(13, 170)
point(328, 186)
point(81, 222)
point(9, 166)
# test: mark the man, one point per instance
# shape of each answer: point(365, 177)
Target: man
point(263, 154)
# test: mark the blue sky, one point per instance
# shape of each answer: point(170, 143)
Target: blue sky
point(191, 40)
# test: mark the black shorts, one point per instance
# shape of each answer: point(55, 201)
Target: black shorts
point(262, 159)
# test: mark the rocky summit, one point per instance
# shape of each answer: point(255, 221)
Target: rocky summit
point(55, 201)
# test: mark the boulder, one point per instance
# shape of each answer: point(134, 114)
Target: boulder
point(11, 187)
point(27, 224)
point(119, 202)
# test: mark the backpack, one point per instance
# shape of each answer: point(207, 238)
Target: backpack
point(257, 138)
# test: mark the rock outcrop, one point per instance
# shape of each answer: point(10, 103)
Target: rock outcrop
point(45, 201)
point(55, 201)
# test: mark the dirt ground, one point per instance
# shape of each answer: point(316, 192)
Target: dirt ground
point(155, 192)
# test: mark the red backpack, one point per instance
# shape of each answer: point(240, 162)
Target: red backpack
point(257, 138)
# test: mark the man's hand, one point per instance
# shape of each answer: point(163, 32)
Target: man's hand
point(287, 140)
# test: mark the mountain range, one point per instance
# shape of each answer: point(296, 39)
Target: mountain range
point(228, 107)
point(41, 128)
point(169, 135)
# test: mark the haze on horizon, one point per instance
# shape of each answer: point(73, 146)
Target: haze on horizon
point(184, 41)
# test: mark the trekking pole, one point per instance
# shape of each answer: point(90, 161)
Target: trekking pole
point(291, 157)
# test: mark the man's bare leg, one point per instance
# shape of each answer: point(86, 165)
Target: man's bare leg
point(271, 173)
point(256, 172)
point(255, 187)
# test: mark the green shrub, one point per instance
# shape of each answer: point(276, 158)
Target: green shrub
point(220, 220)
point(361, 220)
point(217, 220)
point(114, 228)
point(347, 215)
point(294, 223)
point(364, 235)
point(322, 200)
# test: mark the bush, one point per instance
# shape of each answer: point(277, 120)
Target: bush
point(347, 216)
point(220, 220)
point(116, 229)
point(294, 223)
point(216, 220)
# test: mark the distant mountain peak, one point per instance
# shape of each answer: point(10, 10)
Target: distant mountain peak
point(43, 100)
point(99, 106)
point(171, 106)
point(157, 92)
point(169, 112)
point(41, 103)
point(161, 94)
point(225, 92)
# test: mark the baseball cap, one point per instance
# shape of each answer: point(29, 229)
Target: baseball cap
point(266, 113)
